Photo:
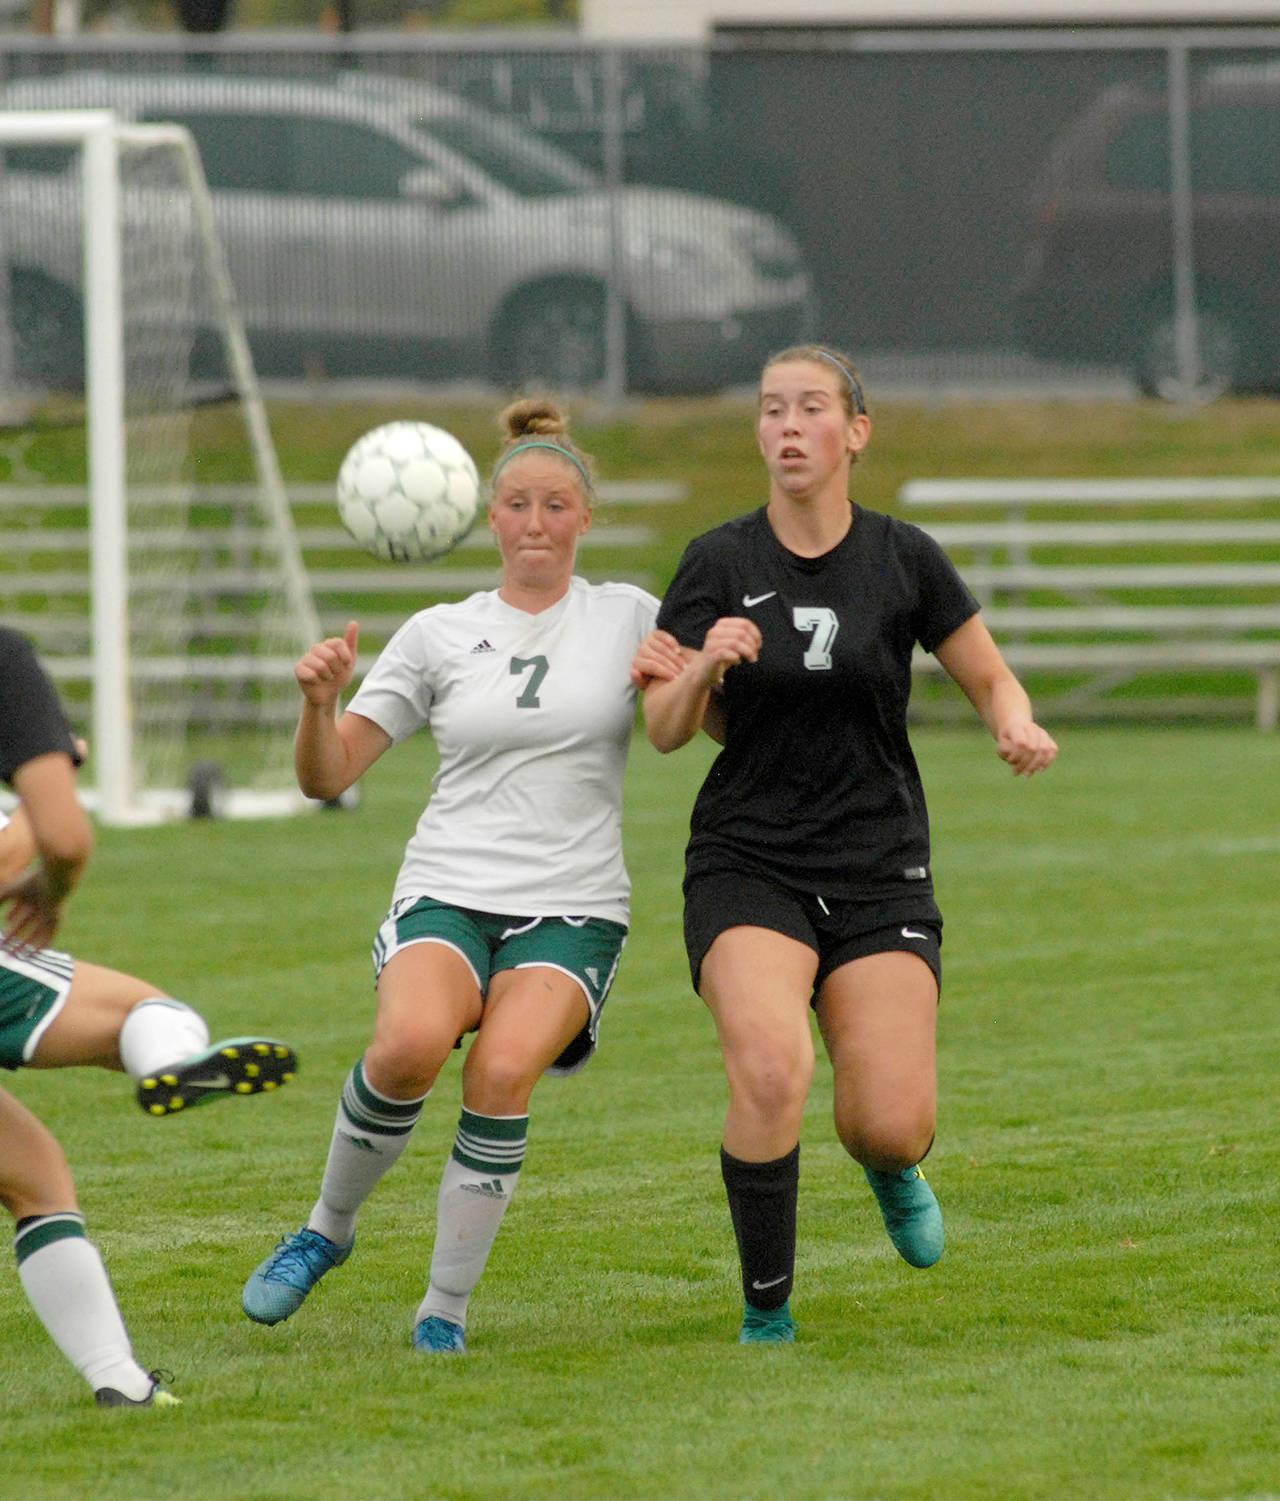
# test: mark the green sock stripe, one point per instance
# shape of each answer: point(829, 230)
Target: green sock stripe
point(491, 1143)
point(42, 1230)
point(370, 1111)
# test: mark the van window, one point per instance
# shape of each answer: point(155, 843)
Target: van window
point(240, 153)
point(341, 159)
point(1234, 149)
point(523, 164)
point(296, 155)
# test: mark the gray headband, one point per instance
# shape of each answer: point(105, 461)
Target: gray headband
point(848, 374)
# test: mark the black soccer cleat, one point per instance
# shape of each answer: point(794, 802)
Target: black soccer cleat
point(158, 1396)
point(240, 1065)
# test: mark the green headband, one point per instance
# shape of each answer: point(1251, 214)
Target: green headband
point(543, 443)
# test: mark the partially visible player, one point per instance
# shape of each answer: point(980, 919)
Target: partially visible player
point(789, 633)
point(512, 902)
point(55, 1012)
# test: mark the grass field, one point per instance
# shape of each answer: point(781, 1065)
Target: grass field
point(1103, 1325)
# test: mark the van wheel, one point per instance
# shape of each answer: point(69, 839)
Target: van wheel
point(47, 327)
point(1226, 354)
point(551, 336)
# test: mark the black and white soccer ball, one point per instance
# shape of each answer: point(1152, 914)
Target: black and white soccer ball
point(408, 491)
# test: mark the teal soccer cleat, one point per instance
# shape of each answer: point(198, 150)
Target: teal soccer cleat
point(278, 1285)
point(772, 1326)
point(911, 1214)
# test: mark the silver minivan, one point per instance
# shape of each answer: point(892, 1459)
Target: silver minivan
point(375, 225)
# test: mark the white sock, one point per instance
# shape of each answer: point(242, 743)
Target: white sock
point(66, 1282)
point(158, 1033)
point(476, 1186)
point(369, 1134)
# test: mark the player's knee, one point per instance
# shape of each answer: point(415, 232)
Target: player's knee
point(772, 1083)
point(404, 1067)
point(499, 1080)
point(895, 1140)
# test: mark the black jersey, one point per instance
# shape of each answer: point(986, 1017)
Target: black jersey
point(817, 784)
point(32, 722)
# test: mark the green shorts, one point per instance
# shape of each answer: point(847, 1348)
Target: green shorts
point(33, 988)
point(587, 949)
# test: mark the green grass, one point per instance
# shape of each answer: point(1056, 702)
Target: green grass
point(1103, 1324)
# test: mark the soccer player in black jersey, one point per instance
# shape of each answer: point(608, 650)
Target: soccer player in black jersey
point(788, 633)
point(57, 1012)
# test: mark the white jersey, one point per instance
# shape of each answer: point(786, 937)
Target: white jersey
point(532, 716)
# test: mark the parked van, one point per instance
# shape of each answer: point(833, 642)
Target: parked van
point(1098, 284)
point(367, 219)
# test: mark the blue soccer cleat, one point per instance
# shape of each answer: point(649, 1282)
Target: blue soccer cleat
point(910, 1212)
point(239, 1065)
point(278, 1285)
point(436, 1336)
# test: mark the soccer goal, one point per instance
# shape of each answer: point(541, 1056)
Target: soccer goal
point(165, 589)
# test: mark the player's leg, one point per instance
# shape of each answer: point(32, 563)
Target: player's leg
point(878, 1017)
point(756, 982)
point(532, 1014)
point(115, 1020)
point(428, 996)
point(60, 1268)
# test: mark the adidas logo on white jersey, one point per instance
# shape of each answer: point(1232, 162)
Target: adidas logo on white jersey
point(481, 646)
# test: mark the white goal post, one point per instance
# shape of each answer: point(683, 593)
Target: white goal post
point(198, 598)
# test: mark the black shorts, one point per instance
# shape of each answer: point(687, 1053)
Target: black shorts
point(837, 931)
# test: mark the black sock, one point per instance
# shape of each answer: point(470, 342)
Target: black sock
point(762, 1201)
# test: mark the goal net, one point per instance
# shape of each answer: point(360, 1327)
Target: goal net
point(155, 565)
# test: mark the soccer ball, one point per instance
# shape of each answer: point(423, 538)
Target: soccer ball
point(408, 491)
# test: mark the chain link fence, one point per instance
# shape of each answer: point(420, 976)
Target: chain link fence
point(949, 206)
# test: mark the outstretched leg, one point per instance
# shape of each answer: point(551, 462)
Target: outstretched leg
point(116, 1021)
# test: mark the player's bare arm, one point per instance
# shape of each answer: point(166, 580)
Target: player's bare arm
point(63, 840)
point(17, 847)
point(675, 709)
point(972, 658)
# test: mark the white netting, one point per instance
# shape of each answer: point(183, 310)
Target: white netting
point(217, 601)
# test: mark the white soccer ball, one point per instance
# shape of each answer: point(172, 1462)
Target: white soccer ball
point(408, 491)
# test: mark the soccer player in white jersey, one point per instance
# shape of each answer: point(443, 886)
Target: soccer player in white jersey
point(56, 1012)
point(789, 633)
point(511, 906)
